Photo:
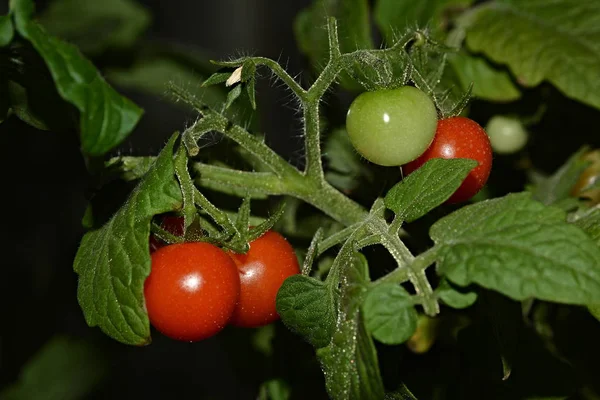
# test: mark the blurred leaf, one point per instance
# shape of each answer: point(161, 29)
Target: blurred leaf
point(427, 187)
point(520, 248)
point(349, 362)
point(453, 297)
point(489, 83)
point(63, 369)
point(557, 42)
point(262, 339)
point(389, 313)
point(595, 311)
point(106, 118)
point(94, 26)
point(354, 30)
point(114, 261)
point(557, 187)
point(400, 394)
point(307, 307)
point(4, 100)
point(394, 16)
point(275, 389)
point(590, 223)
point(87, 221)
point(7, 30)
point(344, 168)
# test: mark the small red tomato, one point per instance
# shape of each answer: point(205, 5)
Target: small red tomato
point(270, 260)
point(460, 137)
point(172, 224)
point(192, 290)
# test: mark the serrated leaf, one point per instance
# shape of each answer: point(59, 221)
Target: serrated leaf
point(489, 83)
point(427, 187)
point(453, 297)
point(557, 42)
point(94, 26)
point(557, 187)
point(114, 261)
point(7, 30)
point(349, 362)
point(389, 313)
point(63, 369)
point(394, 16)
point(521, 248)
point(307, 307)
point(106, 118)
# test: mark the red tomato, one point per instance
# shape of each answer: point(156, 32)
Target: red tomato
point(460, 137)
point(192, 290)
point(270, 260)
point(172, 224)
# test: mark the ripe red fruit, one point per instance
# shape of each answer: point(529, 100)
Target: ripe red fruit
point(269, 262)
point(460, 137)
point(192, 290)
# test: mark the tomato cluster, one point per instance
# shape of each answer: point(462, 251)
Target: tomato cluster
point(195, 288)
point(400, 127)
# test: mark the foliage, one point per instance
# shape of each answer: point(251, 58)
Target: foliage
point(503, 266)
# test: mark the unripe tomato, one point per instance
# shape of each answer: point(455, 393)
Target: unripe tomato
point(391, 127)
point(507, 134)
point(192, 290)
point(460, 137)
point(170, 223)
point(269, 262)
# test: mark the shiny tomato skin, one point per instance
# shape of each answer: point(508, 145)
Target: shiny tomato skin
point(172, 224)
point(269, 262)
point(460, 137)
point(192, 290)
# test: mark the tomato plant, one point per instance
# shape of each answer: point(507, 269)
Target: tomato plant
point(393, 126)
point(192, 290)
point(172, 224)
point(393, 295)
point(269, 262)
point(460, 137)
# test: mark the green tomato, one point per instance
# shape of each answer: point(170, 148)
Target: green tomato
point(507, 134)
point(392, 127)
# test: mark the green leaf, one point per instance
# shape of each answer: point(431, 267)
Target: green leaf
point(394, 16)
point(7, 30)
point(400, 394)
point(4, 100)
point(354, 30)
point(595, 311)
point(557, 42)
point(427, 187)
point(344, 167)
point(307, 307)
point(520, 248)
point(233, 95)
point(106, 118)
point(114, 261)
point(216, 78)
point(63, 369)
point(557, 187)
point(389, 314)
point(129, 168)
point(489, 82)
point(275, 389)
point(590, 224)
point(94, 26)
point(453, 297)
point(349, 362)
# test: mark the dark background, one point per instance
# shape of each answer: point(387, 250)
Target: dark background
point(45, 182)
